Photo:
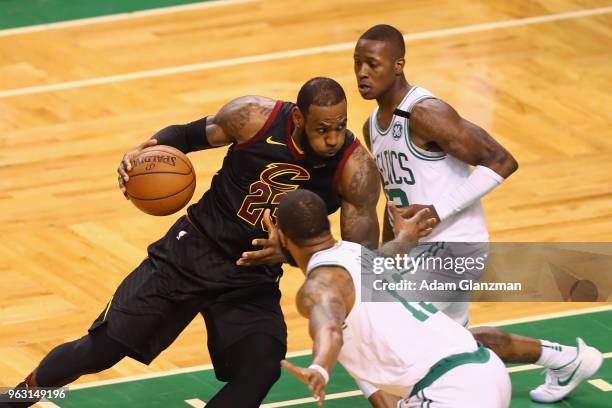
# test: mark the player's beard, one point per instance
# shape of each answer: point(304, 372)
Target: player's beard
point(288, 257)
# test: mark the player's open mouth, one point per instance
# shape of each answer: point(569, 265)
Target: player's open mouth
point(363, 88)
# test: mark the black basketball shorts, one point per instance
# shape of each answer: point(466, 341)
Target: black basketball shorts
point(186, 274)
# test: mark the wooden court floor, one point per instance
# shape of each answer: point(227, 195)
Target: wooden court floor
point(74, 99)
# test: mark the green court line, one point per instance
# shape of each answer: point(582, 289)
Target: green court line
point(22, 13)
point(173, 390)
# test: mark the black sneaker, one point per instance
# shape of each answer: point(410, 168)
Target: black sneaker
point(5, 396)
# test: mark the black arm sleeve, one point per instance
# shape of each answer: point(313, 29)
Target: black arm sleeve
point(186, 138)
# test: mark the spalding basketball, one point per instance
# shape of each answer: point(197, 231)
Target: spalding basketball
point(161, 180)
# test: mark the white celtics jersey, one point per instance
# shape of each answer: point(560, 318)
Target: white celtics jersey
point(415, 176)
point(391, 345)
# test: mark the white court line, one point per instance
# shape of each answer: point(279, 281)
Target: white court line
point(308, 400)
point(203, 367)
point(121, 16)
point(196, 403)
point(47, 404)
point(602, 385)
point(528, 367)
point(180, 69)
point(301, 353)
point(546, 316)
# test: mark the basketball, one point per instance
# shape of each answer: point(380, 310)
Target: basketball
point(161, 180)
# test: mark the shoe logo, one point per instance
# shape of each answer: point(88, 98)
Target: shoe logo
point(272, 142)
point(180, 235)
point(563, 383)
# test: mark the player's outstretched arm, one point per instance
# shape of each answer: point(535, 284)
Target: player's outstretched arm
point(435, 122)
point(407, 231)
point(270, 253)
point(359, 189)
point(325, 298)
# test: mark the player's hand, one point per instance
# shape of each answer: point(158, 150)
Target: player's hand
point(126, 164)
point(310, 377)
point(411, 210)
point(411, 229)
point(270, 253)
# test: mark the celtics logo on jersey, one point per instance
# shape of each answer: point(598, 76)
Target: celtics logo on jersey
point(397, 131)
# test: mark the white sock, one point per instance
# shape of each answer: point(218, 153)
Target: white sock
point(555, 355)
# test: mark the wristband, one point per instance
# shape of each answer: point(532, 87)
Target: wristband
point(321, 371)
point(186, 138)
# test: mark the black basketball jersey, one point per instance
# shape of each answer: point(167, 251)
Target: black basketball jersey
point(255, 175)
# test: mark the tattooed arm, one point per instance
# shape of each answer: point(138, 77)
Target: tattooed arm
point(435, 124)
point(325, 298)
point(359, 189)
point(237, 121)
point(387, 232)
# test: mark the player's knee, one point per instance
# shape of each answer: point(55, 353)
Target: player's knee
point(261, 369)
point(490, 336)
point(101, 363)
point(255, 377)
point(98, 352)
point(262, 366)
point(259, 379)
point(271, 371)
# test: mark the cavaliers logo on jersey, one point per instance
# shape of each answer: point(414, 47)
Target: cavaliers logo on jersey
point(274, 181)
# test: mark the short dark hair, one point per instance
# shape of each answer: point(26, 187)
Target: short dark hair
point(302, 215)
point(387, 34)
point(319, 91)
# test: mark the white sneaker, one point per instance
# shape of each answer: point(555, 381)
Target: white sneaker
point(561, 381)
